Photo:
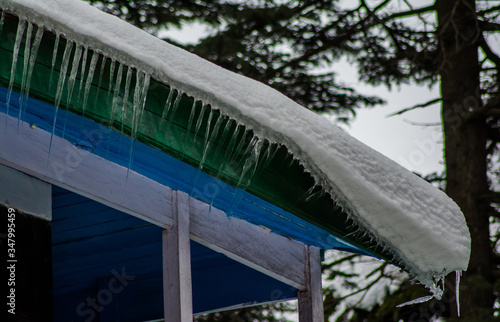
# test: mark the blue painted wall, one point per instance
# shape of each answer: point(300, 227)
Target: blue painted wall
point(107, 266)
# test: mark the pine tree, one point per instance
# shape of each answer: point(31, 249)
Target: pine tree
point(291, 45)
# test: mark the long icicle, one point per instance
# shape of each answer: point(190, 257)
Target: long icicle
point(27, 51)
point(211, 139)
point(71, 82)
point(54, 58)
point(101, 72)
point(90, 78)
point(229, 150)
point(140, 95)
point(112, 66)
point(199, 121)
point(166, 108)
point(174, 108)
point(26, 82)
point(73, 73)
point(116, 91)
point(32, 62)
point(82, 71)
point(188, 130)
point(59, 90)
point(223, 135)
point(19, 36)
point(207, 137)
point(62, 73)
point(251, 162)
point(128, 80)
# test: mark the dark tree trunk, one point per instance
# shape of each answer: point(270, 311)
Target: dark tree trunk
point(465, 148)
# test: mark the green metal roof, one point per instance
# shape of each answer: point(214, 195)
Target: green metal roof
point(180, 126)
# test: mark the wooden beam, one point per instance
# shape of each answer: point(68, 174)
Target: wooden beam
point(96, 178)
point(27, 149)
point(311, 299)
point(177, 290)
point(274, 255)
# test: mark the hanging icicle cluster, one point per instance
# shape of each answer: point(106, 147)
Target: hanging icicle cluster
point(72, 79)
point(78, 75)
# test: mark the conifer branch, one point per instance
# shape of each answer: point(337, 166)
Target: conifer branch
point(429, 103)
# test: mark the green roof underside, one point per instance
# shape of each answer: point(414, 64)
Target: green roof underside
point(189, 132)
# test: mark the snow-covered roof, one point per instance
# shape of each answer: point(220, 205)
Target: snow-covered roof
point(417, 223)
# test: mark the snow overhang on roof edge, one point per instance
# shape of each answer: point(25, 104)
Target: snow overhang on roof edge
point(423, 228)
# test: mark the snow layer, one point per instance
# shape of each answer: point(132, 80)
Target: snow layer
point(419, 224)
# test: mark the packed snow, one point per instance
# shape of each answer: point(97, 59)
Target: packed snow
point(419, 224)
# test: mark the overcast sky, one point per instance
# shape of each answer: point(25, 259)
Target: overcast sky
point(417, 148)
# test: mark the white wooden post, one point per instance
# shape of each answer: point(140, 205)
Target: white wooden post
point(177, 291)
point(311, 299)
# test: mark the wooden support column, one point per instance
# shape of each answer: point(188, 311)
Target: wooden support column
point(177, 291)
point(311, 299)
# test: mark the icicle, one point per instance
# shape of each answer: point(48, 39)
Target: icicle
point(437, 293)
point(54, 57)
point(90, 78)
point(230, 147)
point(199, 121)
point(273, 149)
point(15, 53)
point(417, 301)
point(27, 50)
point(188, 130)
point(82, 71)
point(101, 72)
point(166, 108)
point(251, 162)
point(114, 105)
point(266, 158)
point(32, 61)
point(207, 136)
point(211, 140)
point(71, 82)
point(235, 154)
point(140, 93)
point(62, 73)
point(128, 80)
point(223, 135)
point(116, 93)
point(111, 74)
point(458, 274)
point(74, 71)
point(59, 90)
point(243, 157)
point(174, 108)
point(318, 194)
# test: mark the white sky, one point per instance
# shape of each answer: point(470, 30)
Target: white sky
point(417, 148)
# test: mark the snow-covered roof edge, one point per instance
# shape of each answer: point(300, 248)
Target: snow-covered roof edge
point(416, 222)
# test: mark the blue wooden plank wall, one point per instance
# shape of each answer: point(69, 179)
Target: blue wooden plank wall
point(107, 267)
